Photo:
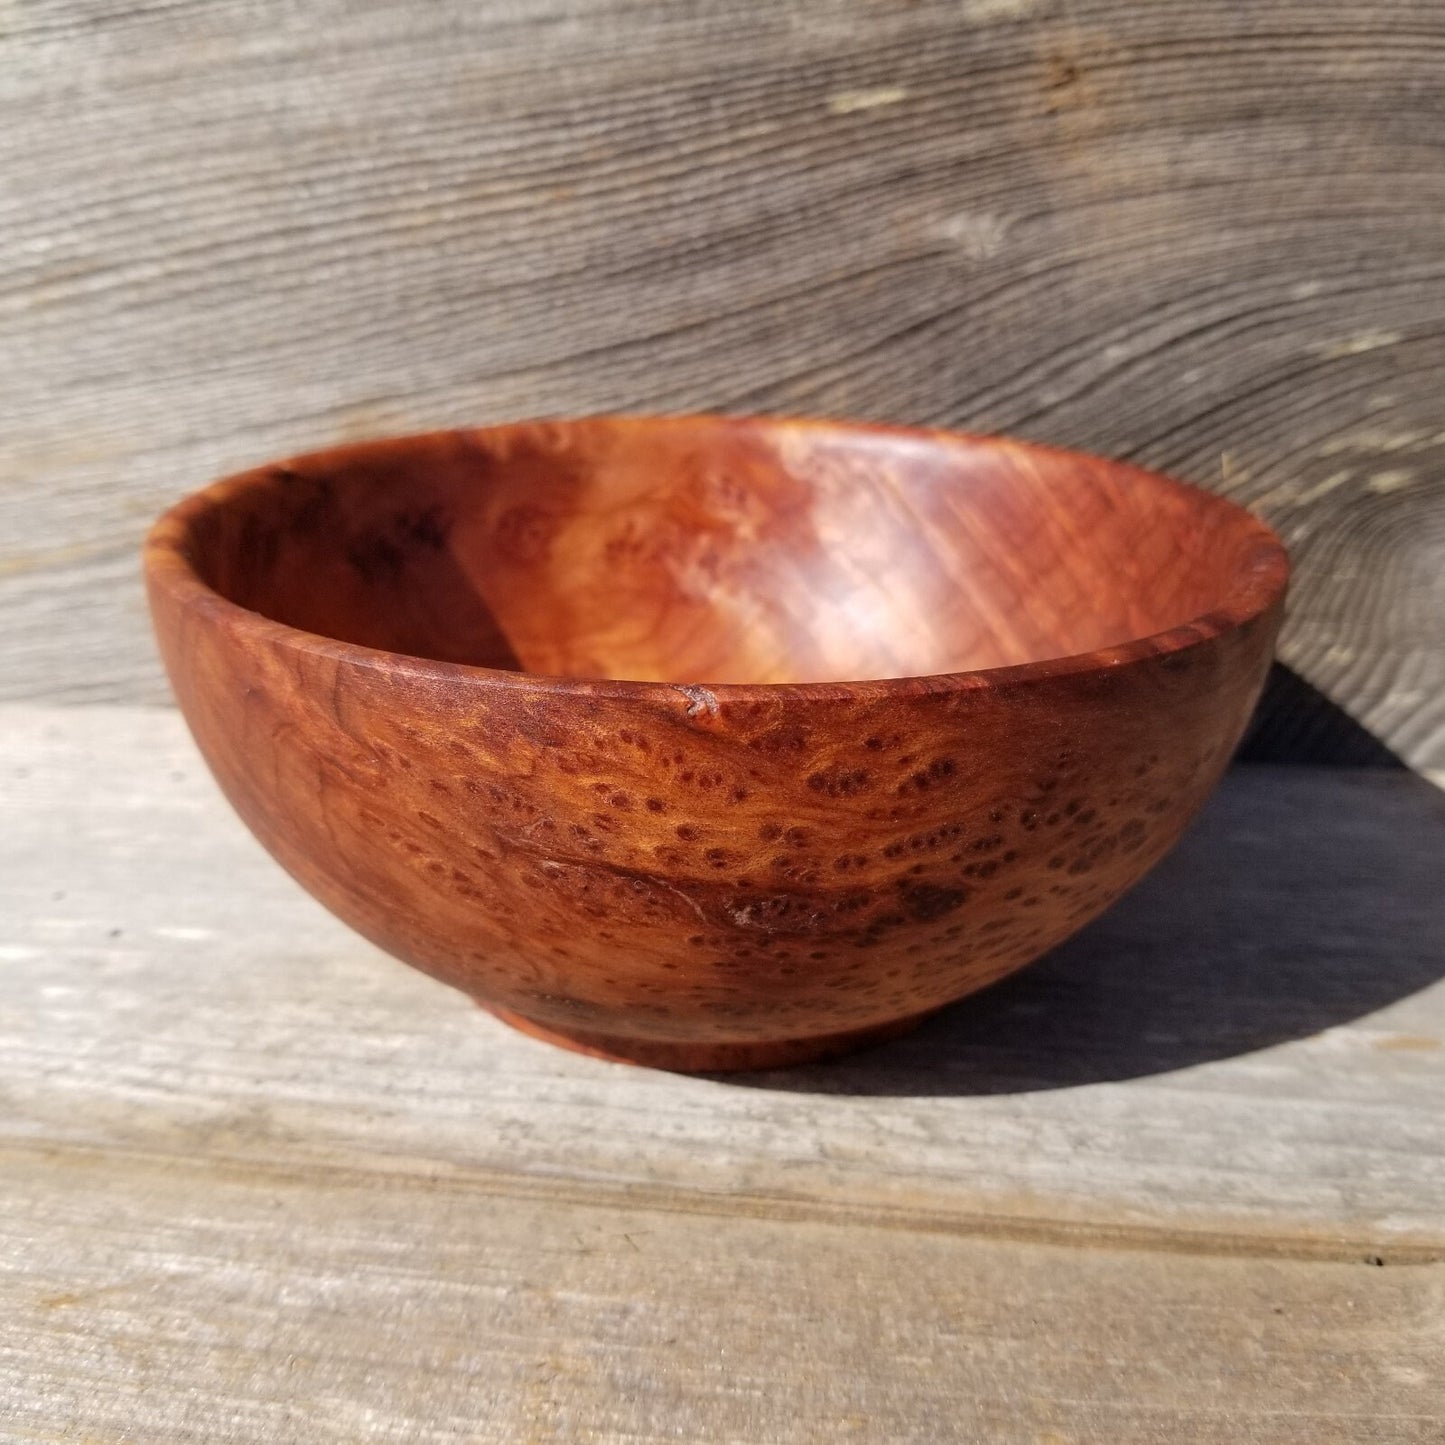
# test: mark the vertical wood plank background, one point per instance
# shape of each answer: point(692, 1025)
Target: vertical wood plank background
point(1204, 234)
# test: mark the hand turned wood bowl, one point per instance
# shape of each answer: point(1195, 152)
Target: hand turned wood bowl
point(713, 743)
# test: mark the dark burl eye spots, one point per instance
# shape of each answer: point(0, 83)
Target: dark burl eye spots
point(921, 871)
point(840, 782)
point(926, 902)
point(524, 533)
point(937, 772)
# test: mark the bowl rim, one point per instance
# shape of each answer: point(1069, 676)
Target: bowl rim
point(1258, 587)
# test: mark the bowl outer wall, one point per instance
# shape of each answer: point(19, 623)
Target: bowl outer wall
point(707, 867)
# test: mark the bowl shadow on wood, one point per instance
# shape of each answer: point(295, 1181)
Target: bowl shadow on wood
point(1296, 723)
point(1302, 899)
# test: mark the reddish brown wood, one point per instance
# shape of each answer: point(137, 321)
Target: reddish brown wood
point(821, 727)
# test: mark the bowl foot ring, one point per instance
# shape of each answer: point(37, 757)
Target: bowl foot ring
point(709, 1058)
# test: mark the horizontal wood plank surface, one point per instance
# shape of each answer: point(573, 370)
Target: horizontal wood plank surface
point(1250, 1048)
point(173, 1300)
point(262, 1183)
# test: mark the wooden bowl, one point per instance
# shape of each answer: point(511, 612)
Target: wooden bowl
point(714, 743)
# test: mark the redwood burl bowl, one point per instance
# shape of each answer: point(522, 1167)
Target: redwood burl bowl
point(714, 743)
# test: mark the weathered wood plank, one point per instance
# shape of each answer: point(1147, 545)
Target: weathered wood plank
point(1202, 235)
point(261, 1184)
point(184, 1300)
point(1246, 1054)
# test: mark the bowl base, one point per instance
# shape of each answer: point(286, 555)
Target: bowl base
point(709, 1058)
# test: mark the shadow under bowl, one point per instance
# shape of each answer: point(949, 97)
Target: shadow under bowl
point(709, 742)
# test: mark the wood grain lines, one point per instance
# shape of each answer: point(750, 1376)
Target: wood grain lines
point(1202, 236)
point(263, 1185)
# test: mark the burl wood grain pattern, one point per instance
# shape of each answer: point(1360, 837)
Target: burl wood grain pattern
point(714, 743)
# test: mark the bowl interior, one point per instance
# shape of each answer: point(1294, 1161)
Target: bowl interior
point(718, 550)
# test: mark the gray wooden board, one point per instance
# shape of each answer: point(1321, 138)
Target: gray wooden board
point(261, 1183)
point(164, 1299)
point(1201, 233)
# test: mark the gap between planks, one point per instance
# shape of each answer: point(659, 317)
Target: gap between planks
point(1294, 1243)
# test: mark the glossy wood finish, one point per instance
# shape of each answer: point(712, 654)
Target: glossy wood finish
point(820, 727)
